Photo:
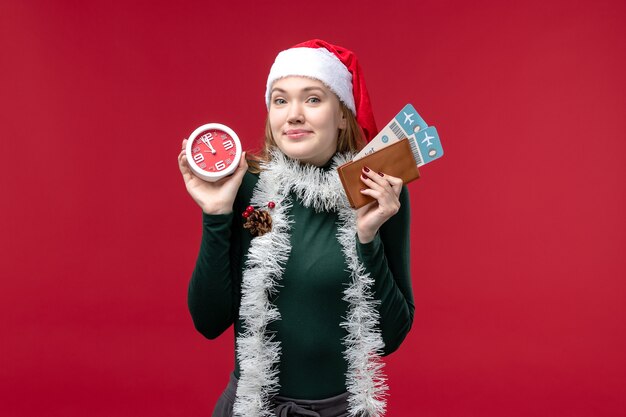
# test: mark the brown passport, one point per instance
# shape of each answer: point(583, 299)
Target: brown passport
point(395, 160)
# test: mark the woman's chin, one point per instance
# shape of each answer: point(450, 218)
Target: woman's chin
point(299, 153)
point(306, 153)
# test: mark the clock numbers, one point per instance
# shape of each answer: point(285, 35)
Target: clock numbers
point(227, 142)
point(213, 151)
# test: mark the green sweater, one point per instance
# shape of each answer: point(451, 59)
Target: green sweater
point(310, 293)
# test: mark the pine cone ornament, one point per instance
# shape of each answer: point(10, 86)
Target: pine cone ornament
point(259, 222)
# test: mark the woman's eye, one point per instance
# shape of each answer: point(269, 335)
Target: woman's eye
point(279, 101)
point(314, 100)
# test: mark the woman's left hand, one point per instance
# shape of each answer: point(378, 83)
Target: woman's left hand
point(385, 190)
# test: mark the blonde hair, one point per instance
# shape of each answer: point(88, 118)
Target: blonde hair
point(349, 139)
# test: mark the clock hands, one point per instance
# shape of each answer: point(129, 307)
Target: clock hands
point(206, 139)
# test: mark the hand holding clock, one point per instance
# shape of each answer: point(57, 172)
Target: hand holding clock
point(212, 197)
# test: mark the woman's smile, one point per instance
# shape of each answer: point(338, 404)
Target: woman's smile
point(297, 133)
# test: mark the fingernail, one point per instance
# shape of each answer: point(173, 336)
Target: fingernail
point(364, 176)
point(366, 169)
point(381, 174)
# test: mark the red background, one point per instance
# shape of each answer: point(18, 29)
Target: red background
point(518, 232)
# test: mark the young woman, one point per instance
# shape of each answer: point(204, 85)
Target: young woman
point(317, 291)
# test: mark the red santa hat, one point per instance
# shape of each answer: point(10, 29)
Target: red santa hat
point(335, 66)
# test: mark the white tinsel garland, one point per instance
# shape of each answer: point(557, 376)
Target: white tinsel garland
point(258, 354)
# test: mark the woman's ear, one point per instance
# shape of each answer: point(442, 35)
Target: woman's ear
point(343, 123)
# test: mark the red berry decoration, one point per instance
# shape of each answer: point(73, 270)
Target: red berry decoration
point(250, 209)
point(271, 204)
point(245, 214)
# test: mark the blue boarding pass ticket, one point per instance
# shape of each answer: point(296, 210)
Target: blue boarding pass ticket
point(424, 139)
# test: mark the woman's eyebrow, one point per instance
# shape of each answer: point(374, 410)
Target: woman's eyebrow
point(305, 89)
point(312, 88)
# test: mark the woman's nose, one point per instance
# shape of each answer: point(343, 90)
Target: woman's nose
point(295, 113)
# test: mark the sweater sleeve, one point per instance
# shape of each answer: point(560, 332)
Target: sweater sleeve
point(387, 259)
point(212, 290)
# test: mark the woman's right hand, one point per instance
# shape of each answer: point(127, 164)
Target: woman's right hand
point(212, 197)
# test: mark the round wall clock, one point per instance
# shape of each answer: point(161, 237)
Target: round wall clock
point(213, 151)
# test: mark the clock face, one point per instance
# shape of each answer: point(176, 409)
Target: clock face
point(213, 151)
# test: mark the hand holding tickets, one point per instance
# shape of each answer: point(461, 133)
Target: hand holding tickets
point(402, 146)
